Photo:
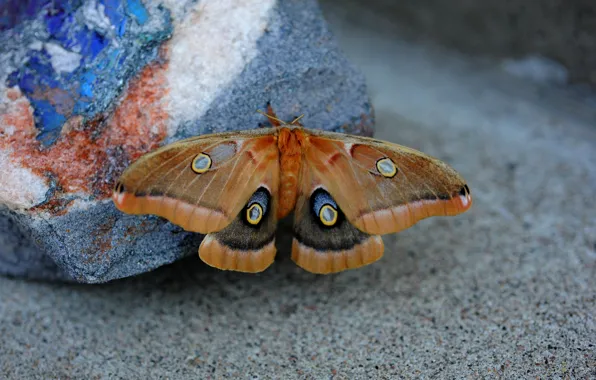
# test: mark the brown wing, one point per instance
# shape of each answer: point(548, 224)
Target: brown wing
point(383, 187)
point(248, 243)
point(201, 183)
point(324, 239)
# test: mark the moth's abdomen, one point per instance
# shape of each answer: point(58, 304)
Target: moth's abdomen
point(290, 143)
point(288, 190)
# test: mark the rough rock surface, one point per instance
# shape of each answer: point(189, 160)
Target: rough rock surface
point(86, 87)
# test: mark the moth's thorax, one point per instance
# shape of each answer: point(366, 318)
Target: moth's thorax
point(290, 141)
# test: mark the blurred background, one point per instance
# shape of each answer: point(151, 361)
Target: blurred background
point(561, 33)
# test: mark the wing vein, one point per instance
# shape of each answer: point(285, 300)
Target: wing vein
point(158, 167)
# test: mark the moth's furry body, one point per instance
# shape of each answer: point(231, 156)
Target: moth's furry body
point(291, 143)
point(344, 190)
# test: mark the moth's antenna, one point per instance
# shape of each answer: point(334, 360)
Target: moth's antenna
point(296, 119)
point(271, 117)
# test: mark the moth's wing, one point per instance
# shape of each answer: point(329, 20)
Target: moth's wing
point(373, 198)
point(327, 246)
point(248, 243)
point(204, 199)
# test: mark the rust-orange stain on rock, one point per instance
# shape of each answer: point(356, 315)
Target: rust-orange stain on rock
point(88, 157)
point(17, 120)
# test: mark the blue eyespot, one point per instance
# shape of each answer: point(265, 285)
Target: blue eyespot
point(325, 207)
point(257, 206)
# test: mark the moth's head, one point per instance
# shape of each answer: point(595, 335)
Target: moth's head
point(275, 121)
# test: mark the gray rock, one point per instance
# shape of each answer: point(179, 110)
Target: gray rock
point(181, 69)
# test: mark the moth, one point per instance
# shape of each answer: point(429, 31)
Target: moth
point(345, 191)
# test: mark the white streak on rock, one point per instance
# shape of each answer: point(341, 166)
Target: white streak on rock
point(209, 48)
point(21, 189)
point(95, 16)
point(36, 45)
point(62, 60)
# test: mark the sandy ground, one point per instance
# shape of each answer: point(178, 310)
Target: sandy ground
point(508, 289)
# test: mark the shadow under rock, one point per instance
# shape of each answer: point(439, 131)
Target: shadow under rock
point(190, 289)
point(190, 279)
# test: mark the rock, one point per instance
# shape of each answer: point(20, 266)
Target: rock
point(86, 87)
